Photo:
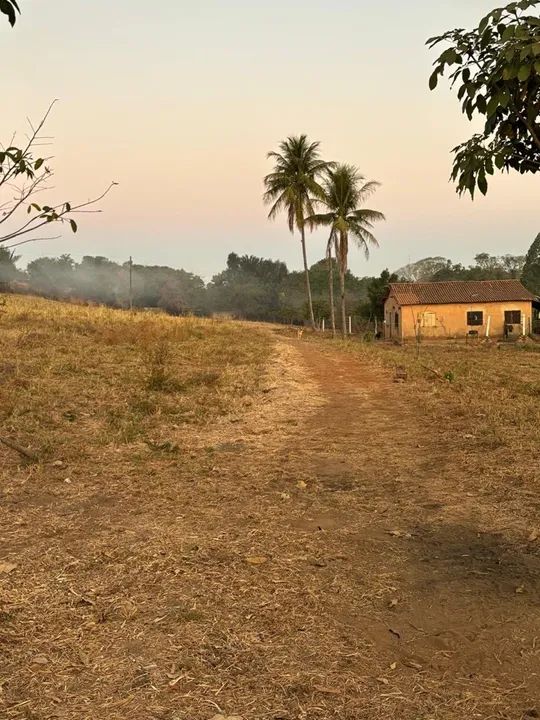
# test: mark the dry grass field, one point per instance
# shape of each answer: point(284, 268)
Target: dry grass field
point(224, 520)
point(487, 395)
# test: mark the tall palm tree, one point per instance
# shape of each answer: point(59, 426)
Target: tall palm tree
point(345, 190)
point(294, 187)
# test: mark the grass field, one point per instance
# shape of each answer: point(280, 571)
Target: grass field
point(120, 411)
point(486, 394)
point(222, 519)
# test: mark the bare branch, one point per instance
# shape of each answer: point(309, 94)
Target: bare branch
point(38, 239)
point(29, 226)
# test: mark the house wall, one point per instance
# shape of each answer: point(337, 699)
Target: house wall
point(392, 320)
point(448, 321)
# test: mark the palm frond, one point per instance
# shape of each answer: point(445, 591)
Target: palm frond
point(367, 216)
point(362, 238)
point(368, 189)
point(294, 186)
point(321, 219)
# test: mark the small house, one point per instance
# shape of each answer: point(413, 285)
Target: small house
point(458, 309)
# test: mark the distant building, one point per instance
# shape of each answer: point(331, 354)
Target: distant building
point(457, 309)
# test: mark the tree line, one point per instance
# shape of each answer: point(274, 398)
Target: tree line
point(249, 287)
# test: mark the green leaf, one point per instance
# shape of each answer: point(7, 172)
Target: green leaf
point(524, 73)
point(509, 33)
point(481, 104)
point(68, 207)
point(492, 106)
point(73, 225)
point(484, 23)
point(434, 79)
point(522, 33)
point(449, 56)
point(486, 38)
point(36, 207)
point(38, 163)
point(537, 66)
point(482, 182)
point(8, 7)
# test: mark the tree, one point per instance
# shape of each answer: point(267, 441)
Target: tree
point(10, 8)
point(422, 270)
point(250, 287)
point(378, 292)
point(344, 192)
point(512, 265)
point(22, 177)
point(8, 268)
point(330, 262)
point(294, 187)
point(52, 277)
point(496, 68)
point(100, 280)
point(531, 269)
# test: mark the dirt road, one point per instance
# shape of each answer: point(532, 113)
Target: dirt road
point(326, 556)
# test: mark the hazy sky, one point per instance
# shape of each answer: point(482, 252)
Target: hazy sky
point(180, 101)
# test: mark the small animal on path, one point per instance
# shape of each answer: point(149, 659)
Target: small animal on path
point(300, 332)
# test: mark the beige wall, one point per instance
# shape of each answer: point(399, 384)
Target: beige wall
point(440, 321)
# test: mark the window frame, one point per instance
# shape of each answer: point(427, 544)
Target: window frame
point(469, 318)
point(427, 315)
point(513, 322)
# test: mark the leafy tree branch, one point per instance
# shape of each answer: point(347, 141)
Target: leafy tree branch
point(24, 175)
point(496, 70)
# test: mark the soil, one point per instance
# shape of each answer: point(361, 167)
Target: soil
point(326, 556)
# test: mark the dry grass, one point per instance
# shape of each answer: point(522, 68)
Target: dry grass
point(223, 522)
point(100, 375)
point(122, 413)
point(484, 397)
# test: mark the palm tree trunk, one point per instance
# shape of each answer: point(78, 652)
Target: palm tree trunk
point(331, 285)
point(341, 266)
point(308, 284)
point(343, 309)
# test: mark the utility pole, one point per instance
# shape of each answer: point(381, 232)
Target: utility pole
point(131, 283)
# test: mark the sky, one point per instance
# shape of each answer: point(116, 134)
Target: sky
point(179, 102)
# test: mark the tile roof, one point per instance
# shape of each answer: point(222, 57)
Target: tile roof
point(459, 291)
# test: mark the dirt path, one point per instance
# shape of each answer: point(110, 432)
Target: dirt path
point(439, 592)
point(326, 557)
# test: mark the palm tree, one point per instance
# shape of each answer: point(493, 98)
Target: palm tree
point(294, 187)
point(345, 189)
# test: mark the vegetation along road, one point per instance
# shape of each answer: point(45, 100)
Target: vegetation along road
point(285, 532)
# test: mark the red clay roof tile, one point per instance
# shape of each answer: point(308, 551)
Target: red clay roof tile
point(459, 291)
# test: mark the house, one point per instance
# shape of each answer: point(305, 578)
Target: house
point(457, 309)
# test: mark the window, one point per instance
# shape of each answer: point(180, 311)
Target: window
point(427, 320)
point(397, 321)
point(475, 317)
point(512, 317)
